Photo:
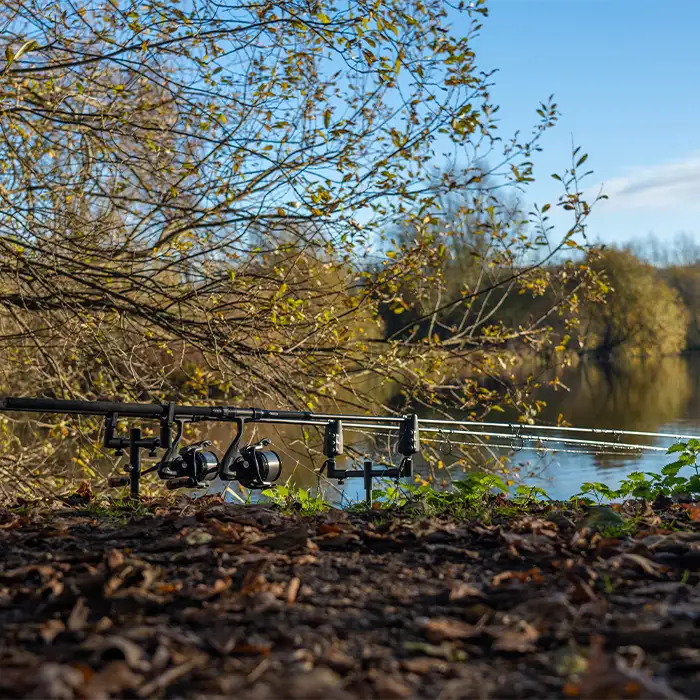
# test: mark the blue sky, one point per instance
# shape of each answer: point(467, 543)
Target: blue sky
point(626, 77)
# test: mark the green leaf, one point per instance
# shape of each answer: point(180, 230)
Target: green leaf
point(672, 469)
point(678, 447)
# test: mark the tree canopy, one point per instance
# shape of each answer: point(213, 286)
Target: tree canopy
point(199, 199)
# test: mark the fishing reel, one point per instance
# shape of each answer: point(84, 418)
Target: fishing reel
point(253, 466)
point(192, 466)
point(256, 467)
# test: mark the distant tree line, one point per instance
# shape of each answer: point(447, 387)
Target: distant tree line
point(646, 300)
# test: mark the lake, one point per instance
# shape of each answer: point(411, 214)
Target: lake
point(660, 396)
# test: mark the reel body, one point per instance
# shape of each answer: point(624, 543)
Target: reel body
point(257, 468)
point(193, 465)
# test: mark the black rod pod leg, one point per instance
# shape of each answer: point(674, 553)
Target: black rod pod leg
point(368, 474)
point(135, 442)
point(135, 463)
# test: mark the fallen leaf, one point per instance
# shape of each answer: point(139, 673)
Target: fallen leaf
point(533, 575)
point(441, 651)
point(440, 628)
point(693, 511)
point(520, 638)
point(51, 629)
point(609, 678)
point(254, 578)
point(108, 647)
point(424, 664)
point(292, 538)
point(646, 565)
point(461, 590)
point(293, 590)
point(318, 684)
point(391, 687)
point(77, 620)
point(56, 681)
point(115, 559)
point(85, 491)
point(251, 649)
point(113, 679)
point(170, 676)
point(198, 536)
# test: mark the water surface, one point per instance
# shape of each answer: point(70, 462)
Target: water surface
point(661, 396)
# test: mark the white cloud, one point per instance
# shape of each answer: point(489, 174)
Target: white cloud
point(675, 184)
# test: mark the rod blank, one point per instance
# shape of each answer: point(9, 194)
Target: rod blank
point(520, 432)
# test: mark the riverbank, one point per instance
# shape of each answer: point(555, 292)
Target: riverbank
point(201, 598)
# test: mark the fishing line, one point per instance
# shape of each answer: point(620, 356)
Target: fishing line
point(553, 450)
point(523, 437)
point(427, 424)
point(518, 434)
point(520, 426)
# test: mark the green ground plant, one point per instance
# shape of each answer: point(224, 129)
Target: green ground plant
point(293, 498)
point(650, 485)
point(476, 494)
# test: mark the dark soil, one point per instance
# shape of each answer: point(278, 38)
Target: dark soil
point(205, 599)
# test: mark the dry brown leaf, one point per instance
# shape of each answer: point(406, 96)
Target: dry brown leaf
point(170, 676)
point(693, 511)
point(440, 628)
point(533, 575)
point(520, 638)
point(608, 678)
point(85, 491)
point(254, 578)
point(131, 652)
point(391, 687)
point(51, 629)
point(115, 559)
point(56, 681)
point(77, 620)
point(113, 679)
point(293, 590)
point(646, 565)
point(461, 590)
point(425, 664)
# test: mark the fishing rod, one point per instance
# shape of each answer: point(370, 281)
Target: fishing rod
point(252, 465)
point(256, 467)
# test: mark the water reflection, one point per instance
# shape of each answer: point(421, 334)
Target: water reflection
point(637, 395)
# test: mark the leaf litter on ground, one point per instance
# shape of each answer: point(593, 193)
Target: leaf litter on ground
point(208, 599)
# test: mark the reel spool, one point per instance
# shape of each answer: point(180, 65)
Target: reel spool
point(256, 467)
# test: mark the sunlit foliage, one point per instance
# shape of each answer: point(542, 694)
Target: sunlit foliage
point(198, 200)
